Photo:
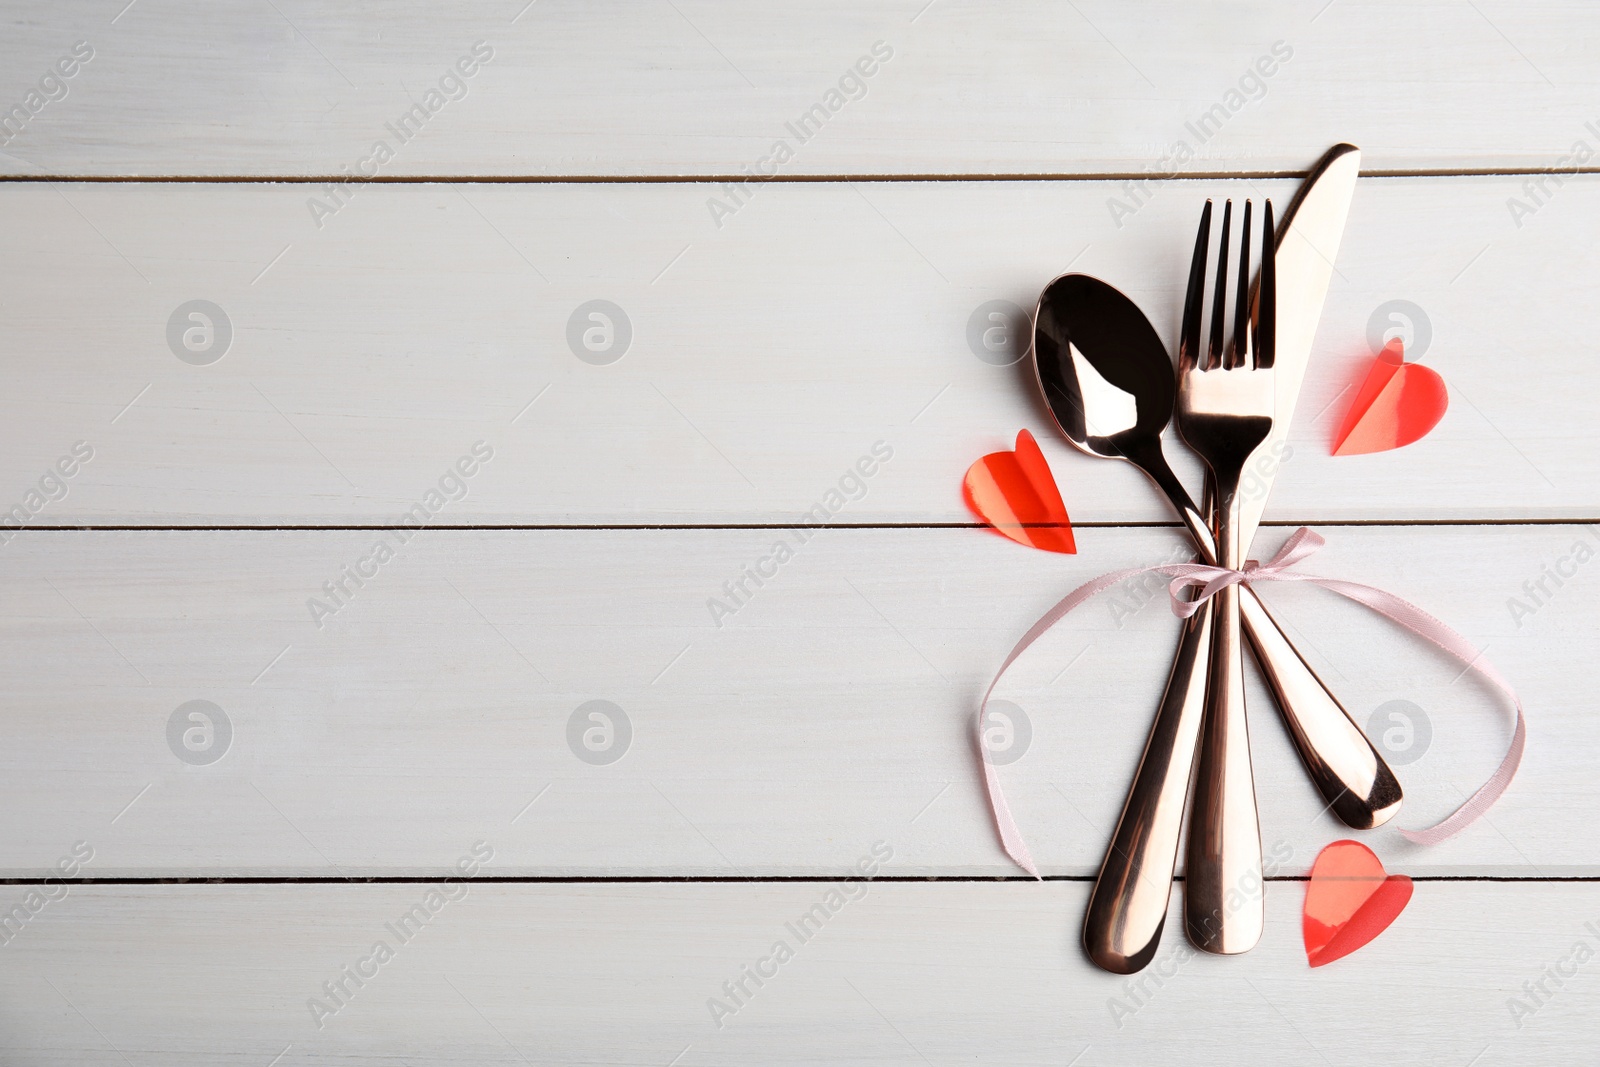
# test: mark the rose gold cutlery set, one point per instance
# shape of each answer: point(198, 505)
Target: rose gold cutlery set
point(1110, 384)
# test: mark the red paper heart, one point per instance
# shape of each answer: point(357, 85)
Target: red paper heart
point(1015, 493)
point(1349, 901)
point(1397, 404)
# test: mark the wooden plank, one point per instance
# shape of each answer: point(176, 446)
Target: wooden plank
point(709, 87)
point(766, 358)
point(904, 973)
point(437, 704)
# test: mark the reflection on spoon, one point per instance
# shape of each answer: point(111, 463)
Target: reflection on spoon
point(1115, 410)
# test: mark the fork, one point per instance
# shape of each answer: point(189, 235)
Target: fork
point(1224, 412)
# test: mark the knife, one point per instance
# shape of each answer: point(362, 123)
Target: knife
point(1348, 771)
point(1308, 244)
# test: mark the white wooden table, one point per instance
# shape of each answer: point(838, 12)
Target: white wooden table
point(418, 341)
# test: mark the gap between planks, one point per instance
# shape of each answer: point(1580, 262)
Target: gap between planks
point(570, 526)
point(645, 879)
point(745, 179)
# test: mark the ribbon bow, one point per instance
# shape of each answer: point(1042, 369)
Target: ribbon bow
point(1211, 580)
point(1208, 580)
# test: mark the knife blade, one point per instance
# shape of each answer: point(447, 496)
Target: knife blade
point(1348, 769)
point(1308, 244)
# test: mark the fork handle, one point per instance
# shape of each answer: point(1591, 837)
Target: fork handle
point(1223, 891)
point(1223, 894)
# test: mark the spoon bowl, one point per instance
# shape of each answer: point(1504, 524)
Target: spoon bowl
point(1103, 369)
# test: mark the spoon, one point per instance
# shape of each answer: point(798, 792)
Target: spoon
point(1111, 388)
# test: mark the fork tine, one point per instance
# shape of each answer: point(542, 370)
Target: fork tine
point(1189, 334)
point(1219, 299)
point(1239, 352)
point(1267, 315)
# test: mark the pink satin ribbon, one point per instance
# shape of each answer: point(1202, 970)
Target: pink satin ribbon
point(1208, 580)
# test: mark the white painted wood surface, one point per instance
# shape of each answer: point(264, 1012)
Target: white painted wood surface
point(698, 87)
point(775, 341)
point(604, 974)
point(766, 357)
point(832, 707)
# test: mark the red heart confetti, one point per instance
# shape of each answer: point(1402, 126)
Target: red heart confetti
point(1015, 493)
point(1397, 405)
point(1349, 901)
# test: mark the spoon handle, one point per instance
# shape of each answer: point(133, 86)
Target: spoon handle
point(1128, 906)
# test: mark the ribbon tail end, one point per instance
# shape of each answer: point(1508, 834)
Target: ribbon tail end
point(1022, 858)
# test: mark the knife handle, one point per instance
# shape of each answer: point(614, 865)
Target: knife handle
point(1348, 771)
point(1128, 905)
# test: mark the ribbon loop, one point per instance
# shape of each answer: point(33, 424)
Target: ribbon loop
point(1210, 580)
